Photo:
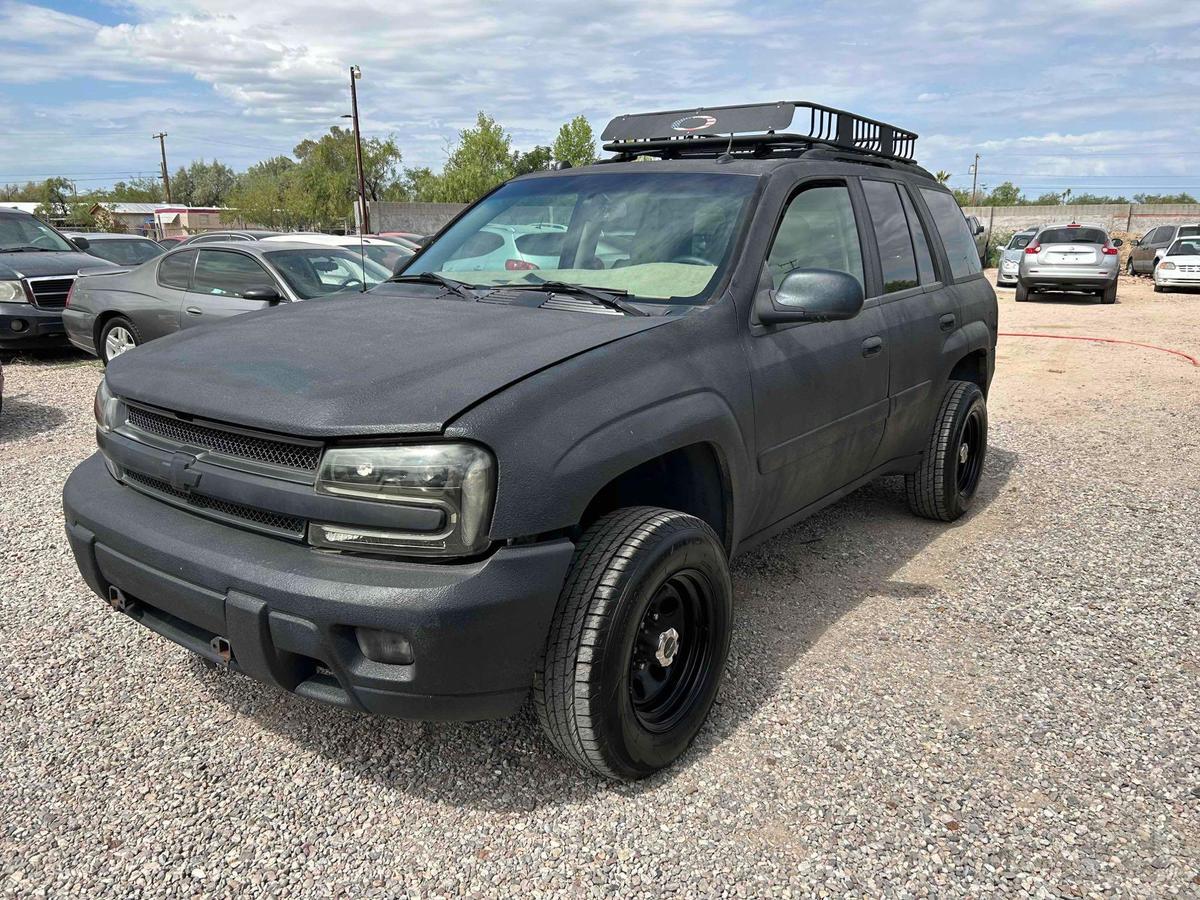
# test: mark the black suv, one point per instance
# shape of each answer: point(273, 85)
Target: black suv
point(524, 465)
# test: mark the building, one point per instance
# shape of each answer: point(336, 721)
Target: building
point(175, 221)
point(135, 218)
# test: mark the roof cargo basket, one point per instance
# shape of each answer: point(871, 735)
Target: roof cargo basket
point(758, 127)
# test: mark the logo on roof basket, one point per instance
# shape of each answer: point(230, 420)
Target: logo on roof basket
point(693, 123)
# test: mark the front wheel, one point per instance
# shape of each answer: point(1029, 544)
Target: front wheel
point(638, 642)
point(119, 335)
point(946, 480)
point(1129, 269)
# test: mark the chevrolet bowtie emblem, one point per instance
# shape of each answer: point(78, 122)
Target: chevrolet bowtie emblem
point(180, 474)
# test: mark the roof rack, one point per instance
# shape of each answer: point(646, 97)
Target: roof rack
point(760, 127)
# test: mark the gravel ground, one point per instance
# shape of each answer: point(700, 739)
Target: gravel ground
point(1007, 705)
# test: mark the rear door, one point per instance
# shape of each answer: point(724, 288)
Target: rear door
point(221, 278)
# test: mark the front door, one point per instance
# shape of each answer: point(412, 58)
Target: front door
point(220, 280)
point(820, 388)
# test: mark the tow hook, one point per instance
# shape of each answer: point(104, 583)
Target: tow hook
point(118, 601)
point(221, 647)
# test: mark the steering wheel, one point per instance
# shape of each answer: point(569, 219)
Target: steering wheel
point(350, 282)
point(44, 237)
point(694, 261)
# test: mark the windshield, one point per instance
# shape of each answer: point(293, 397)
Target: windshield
point(125, 251)
point(325, 270)
point(1020, 241)
point(1072, 236)
point(27, 233)
point(1185, 248)
point(657, 236)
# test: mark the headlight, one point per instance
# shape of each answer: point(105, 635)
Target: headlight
point(459, 479)
point(12, 292)
point(110, 411)
point(1166, 265)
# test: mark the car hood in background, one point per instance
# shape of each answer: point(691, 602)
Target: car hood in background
point(38, 264)
point(377, 363)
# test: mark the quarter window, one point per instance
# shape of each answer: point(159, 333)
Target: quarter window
point(818, 231)
point(956, 237)
point(225, 274)
point(891, 234)
point(176, 269)
point(925, 270)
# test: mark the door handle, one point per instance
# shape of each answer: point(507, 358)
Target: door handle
point(946, 322)
point(872, 346)
point(194, 311)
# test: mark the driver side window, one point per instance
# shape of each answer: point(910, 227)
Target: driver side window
point(224, 273)
point(818, 231)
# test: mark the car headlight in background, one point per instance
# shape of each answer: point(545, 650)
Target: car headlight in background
point(109, 409)
point(459, 479)
point(12, 292)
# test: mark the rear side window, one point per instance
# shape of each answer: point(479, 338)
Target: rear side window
point(481, 243)
point(548, 244)
point(1189, 231)
point(1162, 234)
point(818, 231)
point(176, 269)
point(925, 270)
point(226, 274)
point(891, 233)
point(956, 236)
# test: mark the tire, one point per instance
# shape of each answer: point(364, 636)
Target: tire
point(1158, 289)
point(1109, 295)
point(948, 477)
point(595, 688)
point(1129, 269)
point(1022, 293)
point(122, 331)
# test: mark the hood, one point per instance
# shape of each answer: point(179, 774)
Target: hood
point(38, 264)
point(378, 363)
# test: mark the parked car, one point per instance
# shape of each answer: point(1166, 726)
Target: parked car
point(434, 499)
point(979, 234)
point(121, 249)
point(213, 237)
point(1010, 258)
point(1179, 266)
point(112, 311)
point(388, 254)
point(419, 239)
point(38, 265)
point(1074, 257)
point(514, 247)
point(168, 243)
point(403, 242)
point(1150, 247)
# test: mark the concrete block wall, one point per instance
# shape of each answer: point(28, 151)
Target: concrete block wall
point(1124, 218)
point(421, 218)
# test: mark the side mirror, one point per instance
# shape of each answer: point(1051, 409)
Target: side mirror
point(811, 295)
point(265, 295)
point(1136, 242)
point(81, 243)
point(1117, 242)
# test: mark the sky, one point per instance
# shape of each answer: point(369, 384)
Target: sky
point(1100, 96)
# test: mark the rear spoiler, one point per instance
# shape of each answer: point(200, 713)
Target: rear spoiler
point(103, 270)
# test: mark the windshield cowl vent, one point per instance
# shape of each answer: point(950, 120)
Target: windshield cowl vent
point(567, 303)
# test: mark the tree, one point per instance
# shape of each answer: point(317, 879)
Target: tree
point(324, 187)
point(262, 194)
point(535, 160)
point(942, 176)
point(481, 160)
point(575, 144)
point(1006, 194)
point(136, 190)
point(202, 184)
point(1164, 198)
point(52, 199)
point(416, 185)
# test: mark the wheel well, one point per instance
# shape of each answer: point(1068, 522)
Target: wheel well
point(972, 367)
point(101, 321)
point(691, 479)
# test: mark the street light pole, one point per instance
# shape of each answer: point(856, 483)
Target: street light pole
point(365, 221)
point(166, 179)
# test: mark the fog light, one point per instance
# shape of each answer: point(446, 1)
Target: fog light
point(384, 646)
point(18, 325)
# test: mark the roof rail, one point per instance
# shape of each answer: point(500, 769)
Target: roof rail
point(758, 126)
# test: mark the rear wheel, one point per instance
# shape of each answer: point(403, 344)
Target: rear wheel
point(637, 644)
point(1110, 293)
point(946, 481)
point(119, 335)
point(1022, 293)
point(1129, 269)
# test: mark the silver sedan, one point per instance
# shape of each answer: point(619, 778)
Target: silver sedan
point(1070, 257)
point(1010, 257)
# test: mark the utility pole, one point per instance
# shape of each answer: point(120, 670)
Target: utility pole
point(166, 179)
point(365, 221)
point(974, 180)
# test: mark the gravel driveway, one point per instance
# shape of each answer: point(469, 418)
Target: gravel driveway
point(1010, 704)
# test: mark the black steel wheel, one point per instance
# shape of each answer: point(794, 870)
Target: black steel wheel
point(638, 642)
point(948, 476)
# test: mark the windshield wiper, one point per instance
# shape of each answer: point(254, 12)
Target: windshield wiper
point(27, 250)
point(461, 288)
point(604, 296)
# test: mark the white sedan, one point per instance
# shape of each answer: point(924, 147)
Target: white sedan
point(1179, 267)
point(387, 253)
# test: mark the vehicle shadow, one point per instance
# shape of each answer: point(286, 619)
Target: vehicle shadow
point(787, 593)
point(21, 419)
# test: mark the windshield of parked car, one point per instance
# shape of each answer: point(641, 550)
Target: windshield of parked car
point(1020, 241)
point(1072, 236)
point(317, 271)
point(658, 236)
point(1185, 248)
point(125, 251)
point(1189, 231)
point(27, 233)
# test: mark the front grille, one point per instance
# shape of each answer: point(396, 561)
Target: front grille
point(263, 520)
point(1189, 268)
point(231, 443)
point(51, 293)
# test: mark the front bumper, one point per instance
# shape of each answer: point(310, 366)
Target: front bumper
point(23, 325)
point(1176, 279)
point(289, 612)
point(1006, 277)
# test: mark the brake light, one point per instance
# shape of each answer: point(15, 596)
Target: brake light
point(1033, 249)
point(71, 291)
point(1110, 251)
point(518, 265)
point(1074, 225)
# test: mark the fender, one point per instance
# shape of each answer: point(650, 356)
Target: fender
point(971, 337)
